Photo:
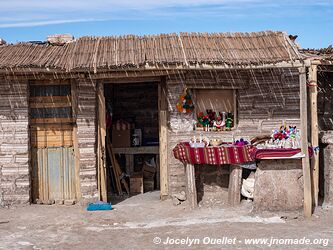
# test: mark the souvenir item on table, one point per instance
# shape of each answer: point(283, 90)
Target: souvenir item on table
point(241, 142)
point(285, 137)
point(215, 142)
point(185, 103)
point(200, 142)
point(229, 121)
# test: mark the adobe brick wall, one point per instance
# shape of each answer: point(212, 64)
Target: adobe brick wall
point(14, 142)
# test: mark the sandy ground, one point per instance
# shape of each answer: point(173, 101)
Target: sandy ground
point(142, 221)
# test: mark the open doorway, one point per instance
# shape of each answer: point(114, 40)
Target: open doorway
point(132, 139)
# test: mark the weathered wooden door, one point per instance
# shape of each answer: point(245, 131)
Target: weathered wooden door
point(51, 137)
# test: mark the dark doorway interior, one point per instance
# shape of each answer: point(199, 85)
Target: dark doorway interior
point(132, 128)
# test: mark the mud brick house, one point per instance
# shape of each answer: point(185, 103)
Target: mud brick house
point(55, 96)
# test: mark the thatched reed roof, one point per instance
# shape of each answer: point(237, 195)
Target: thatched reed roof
point(92, 53)
point(323, 54)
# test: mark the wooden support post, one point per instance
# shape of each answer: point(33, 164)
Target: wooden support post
point(158, 172)
point(101, 142)
point(235, 185)
point(191, 189)
point(163, 134)
point(129, 164)
point(304, 144)
point(314, 131)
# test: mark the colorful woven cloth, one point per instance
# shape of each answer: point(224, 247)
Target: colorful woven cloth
point(213, 155)
point(277, 152)
point(229, 154)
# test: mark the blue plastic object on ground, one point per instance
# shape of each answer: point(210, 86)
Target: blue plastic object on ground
point(100, 205)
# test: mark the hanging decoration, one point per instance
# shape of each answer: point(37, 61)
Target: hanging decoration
point(185, 103)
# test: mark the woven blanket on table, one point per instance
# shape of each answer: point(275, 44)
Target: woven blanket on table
point(277, 152)
point(213, 155)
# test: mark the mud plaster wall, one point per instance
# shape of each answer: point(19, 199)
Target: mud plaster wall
point(212, 184)
point(278, 185)
point(87, 138)
point(266, 99)
point(14, 141)
point(326, 167)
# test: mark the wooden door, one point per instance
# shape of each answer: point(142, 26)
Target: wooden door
point(51, 138)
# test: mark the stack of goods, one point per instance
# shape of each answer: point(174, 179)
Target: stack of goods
point(283, 138)
point(213, 122)
point(121, 134)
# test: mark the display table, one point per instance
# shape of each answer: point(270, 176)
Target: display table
point(279, 154)
point(229, 154)
point(131, 151)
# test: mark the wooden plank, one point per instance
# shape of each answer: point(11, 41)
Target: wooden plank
point(115, 167)
point(235, 109)
point(51, 105)
point(50, 82)
point(235, 184)
point(59, 140)
point(52, 138)
point(163, 136)
point(50, 99)
point(313, 88)
point(102, 134)
point(304, 144)
point(191, 190)
point(158, 186)
point(39, 144)
point(49, 133)
point(129, 163)
point(138, 79)
point(137, 150)
point(52, 120)
point(51, 127)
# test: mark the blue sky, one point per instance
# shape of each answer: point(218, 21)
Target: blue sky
point(31, 20)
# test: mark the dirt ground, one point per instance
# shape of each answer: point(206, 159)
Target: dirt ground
point(145, 222)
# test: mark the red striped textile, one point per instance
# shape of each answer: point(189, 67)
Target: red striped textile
point(277, 152)
point(213, 155)
point(228, 154)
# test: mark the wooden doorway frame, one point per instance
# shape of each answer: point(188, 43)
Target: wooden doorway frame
point(163, 133)
point(74, 106)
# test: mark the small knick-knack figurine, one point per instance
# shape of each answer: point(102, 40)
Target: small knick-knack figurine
point(219, 123)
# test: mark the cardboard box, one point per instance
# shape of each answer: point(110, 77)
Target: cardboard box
point(121, 138)
point(136, 184)
point(148, 185)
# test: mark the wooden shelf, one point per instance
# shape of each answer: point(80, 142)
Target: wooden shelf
point(137, 150)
